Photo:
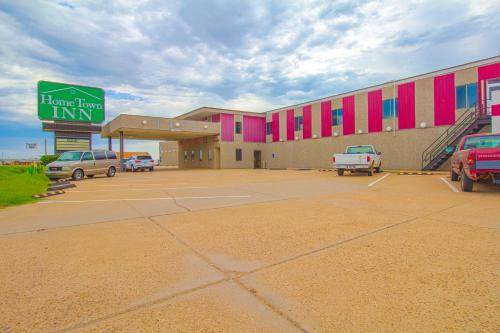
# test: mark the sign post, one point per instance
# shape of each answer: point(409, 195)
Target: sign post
point(71, 111)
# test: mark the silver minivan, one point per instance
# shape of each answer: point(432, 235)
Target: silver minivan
point(78, 164)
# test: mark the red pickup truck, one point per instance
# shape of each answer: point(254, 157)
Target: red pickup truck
point(476, 158)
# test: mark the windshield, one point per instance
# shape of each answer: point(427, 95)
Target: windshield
point(70, 156)
point(143, 157)
point(490, 141)
point(359, 150)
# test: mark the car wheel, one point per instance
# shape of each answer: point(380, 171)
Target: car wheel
point(453, 175)
point(378, 169)
point(466, 182)
point(111, 172)
point(340, 172)
point(78, 174)
point(151, 169)
point(134, 169)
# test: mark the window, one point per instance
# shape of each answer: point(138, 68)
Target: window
point(99, 155)
point(144, 157)
point(87, 156)
point(337, 117)
point(210, 154)
point(388, 108)
point(192, 155)
point(71, 156)
point(185, 155)
point(466, 95)
point(298, 123)
point(487, 141)
point(269, 128)
point(239, 155)
point(201, 155)
point(237, 127)
point(359, 150)
point(111, 155)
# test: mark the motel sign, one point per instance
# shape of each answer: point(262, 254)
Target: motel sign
point(69, 102)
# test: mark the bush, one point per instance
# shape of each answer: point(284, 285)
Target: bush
point(46, 159)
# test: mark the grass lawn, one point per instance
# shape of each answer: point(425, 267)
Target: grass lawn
point(17, 186)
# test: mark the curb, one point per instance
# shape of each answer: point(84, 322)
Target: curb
point(417, 173)
point(326, 170)
point(48, 194)
point(61, 186)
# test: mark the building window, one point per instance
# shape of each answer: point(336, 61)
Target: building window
point(185, 155)
point(201, 155)
point(389, 108)
point(466, 95)
point(337, 117)
point(239, 155)
point(210, 154)
point(192, 155)
point(269, 128)
point(237, 127)
point(298, 123)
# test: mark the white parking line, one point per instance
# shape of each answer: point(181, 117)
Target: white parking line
point(144, 199)
point(137, 189)
point(453, 188)
point(376, 181)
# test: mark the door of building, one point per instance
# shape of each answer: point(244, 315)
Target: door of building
point(257, 157)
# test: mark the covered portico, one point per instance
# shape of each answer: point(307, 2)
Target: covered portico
point(135, 127)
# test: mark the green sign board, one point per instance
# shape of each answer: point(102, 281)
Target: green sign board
point(69, 102)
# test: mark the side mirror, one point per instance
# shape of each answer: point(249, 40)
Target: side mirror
point(379, 153)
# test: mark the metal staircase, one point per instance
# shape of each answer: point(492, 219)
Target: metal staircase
point(470, 122)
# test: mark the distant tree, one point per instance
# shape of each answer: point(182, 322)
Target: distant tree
point(46, 159)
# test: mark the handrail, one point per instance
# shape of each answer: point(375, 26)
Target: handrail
point(450, 135)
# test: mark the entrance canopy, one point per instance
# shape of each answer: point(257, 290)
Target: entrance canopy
point(158, 128)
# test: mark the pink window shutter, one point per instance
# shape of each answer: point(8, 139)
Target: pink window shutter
point(349, 109)
point(276, 126)
point(306, 122)
point(444, 99)
point(227, 126)
point(375, 113)
point(406, 105)
point(290, 125)
point(485, 73)
point(326, 118)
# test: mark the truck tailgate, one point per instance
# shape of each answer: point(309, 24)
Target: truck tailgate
point(350, 159)
point(488, 159)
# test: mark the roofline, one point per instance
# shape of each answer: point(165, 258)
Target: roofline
point(215, 109)
point(392, 82)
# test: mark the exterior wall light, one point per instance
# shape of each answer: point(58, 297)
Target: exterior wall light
point(335, 134)
point(297, 138)
point(144, 122)
point(423, 124)
point(360, 131)
point(205, 126)
point(388, 128)
point(315, 136)
point(177, 124)
point(281, 139)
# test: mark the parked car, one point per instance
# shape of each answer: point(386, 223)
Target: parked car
point(363, 158)
point(139, 162)
point(476, 159)
point(78, 164)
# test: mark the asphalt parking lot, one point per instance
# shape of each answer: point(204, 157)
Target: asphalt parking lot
point(253, 250)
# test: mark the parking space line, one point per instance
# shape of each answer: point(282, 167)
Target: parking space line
point(376, 181)
point(145, 199)
point(138, 189)
point(453, 188)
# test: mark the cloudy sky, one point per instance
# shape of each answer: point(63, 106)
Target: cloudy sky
point(167, 57)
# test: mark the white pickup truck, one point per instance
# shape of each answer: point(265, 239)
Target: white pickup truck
point(358, 159)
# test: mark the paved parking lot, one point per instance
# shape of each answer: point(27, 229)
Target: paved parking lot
point(253, 250)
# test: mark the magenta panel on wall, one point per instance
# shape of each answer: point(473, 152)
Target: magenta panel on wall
point(444, 99)
point(348, 107)
point(290, 125)
point(216, 118)
point(306, 122)
point(485, 73)
point(326, 118)
point(406, 105)
point(375, 113)
point(276, 126)
point(227, 127)
point(254, 129)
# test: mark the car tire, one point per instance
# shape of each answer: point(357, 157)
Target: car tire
point(378, 169)
point(466, 182)
point(78, 174)
point(151, 169)
point(111, 172)
point(134, 169)
point(340, 172)
point(453, 175)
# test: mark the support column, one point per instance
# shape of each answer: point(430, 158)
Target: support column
point(110, 143)
point(121, 151)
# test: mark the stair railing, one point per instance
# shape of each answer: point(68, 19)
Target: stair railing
point(450, 135)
